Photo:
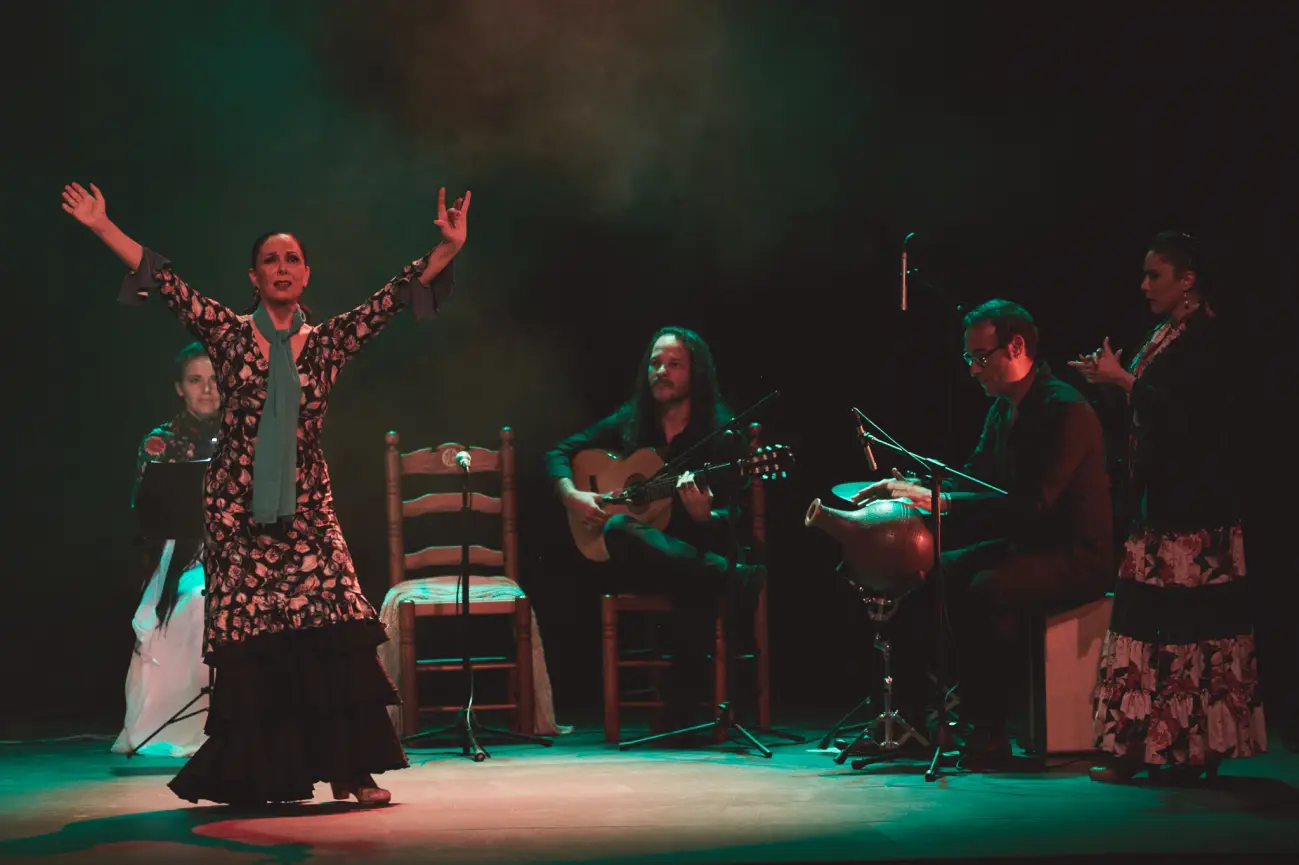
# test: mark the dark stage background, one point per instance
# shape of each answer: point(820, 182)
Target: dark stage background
point(746, 169)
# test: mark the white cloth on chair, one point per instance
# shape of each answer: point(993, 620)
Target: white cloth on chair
point(167, 669)
point(482, 589)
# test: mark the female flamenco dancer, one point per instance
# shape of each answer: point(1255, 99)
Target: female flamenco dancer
point(299, 695)
point(1178, 684)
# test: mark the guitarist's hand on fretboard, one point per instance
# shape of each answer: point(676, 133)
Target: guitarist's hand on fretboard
point(697, 502)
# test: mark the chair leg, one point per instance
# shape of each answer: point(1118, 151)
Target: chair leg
point(524, 698)
point(609, 640)
point(512, 676)
point(762, 662)
point(409, 687)
point(1037, 686)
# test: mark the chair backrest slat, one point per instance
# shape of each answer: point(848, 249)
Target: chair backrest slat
point(444, 503)
point(437, 557)
point(441, 460)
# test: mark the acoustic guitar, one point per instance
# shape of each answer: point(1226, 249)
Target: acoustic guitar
point(629, 486)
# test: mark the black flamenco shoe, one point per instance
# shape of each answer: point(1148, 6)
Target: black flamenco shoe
point(1116, 770)
point(1187, 774)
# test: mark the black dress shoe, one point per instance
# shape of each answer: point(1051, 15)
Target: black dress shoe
point(985, 751)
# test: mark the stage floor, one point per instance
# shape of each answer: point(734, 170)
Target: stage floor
point(584, 801)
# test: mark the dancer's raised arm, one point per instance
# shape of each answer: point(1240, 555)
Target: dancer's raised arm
point(90, 209)
point(205, 318)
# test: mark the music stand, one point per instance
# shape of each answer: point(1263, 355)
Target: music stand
point(169, 502)
point(169, 505)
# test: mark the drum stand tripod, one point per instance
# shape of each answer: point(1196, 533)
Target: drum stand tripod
point(889, 721)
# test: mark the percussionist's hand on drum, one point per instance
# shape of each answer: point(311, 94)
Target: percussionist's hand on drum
point(898, 487)
point(874, 492)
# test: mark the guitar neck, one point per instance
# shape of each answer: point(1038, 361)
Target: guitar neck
point(661, 488)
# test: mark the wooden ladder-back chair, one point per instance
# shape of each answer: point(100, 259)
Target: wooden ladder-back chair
point(616, 658)
point(442, 461)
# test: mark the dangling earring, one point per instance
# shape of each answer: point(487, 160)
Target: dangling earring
point(1186, 300)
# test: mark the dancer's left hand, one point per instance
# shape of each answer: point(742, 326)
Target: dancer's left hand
point(453, 221)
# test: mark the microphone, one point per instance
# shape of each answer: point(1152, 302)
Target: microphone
point(865, 442)
point(462, 459)
point(904, 269)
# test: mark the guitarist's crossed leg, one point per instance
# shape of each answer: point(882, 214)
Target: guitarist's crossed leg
point(651, 561)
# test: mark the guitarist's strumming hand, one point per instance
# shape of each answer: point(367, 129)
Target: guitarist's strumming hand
point(698, 503)
point(585, 506)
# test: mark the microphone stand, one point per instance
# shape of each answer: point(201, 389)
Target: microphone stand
point(937, 473)
point(725, 722)
point(466, 724)
point(952, 310)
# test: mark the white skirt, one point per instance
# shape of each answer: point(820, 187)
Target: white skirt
point(167, 669)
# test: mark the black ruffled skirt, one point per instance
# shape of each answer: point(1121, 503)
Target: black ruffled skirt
point(290, 709)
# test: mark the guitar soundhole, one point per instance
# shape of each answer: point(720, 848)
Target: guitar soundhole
point(637, 505)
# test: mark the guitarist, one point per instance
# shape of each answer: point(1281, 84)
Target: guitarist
point(674, 405)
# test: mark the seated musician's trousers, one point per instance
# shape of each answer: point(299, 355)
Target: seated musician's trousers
point(990, 591)
point(647, 560)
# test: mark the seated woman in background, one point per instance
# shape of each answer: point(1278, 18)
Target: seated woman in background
point(167, 669)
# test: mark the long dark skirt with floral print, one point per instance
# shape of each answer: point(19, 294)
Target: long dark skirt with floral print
point(1170, 701)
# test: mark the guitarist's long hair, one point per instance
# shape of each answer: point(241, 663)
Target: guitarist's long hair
point(707, 409)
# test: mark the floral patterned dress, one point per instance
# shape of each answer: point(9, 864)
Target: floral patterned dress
point(299, 695)
point(1178, 681)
